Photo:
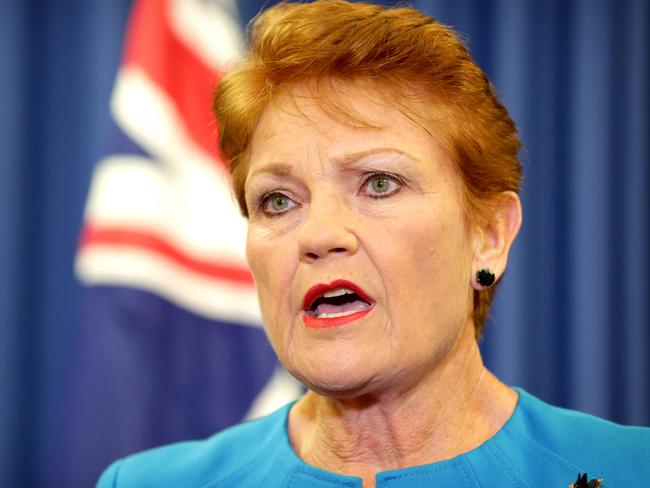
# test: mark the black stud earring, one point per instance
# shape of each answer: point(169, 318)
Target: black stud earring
point(485, 277)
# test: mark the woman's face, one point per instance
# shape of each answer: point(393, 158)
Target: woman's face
point(380, 209)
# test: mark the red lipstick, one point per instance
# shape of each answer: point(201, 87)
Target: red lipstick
point(318, 290)
point(316, 323)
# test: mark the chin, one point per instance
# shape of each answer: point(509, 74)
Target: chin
point(340, 391)
point(336, 379)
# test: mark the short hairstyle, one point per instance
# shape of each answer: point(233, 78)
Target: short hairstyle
point(401, 51)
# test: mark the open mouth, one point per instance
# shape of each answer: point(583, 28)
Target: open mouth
point(335, 304)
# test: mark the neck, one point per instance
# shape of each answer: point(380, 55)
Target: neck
point(452, 410)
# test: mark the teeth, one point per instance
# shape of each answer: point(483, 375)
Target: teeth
point(358, 309)
point(337, 292)
point(337, 314)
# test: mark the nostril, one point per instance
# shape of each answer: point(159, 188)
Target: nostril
point(314, 255)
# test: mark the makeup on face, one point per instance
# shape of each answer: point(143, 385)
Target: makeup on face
point(335, 304)
point(337, 210)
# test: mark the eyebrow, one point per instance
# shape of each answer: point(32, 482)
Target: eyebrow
point(284, 169)
point(348, 159)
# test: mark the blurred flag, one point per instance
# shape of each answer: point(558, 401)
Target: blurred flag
point(171, 343)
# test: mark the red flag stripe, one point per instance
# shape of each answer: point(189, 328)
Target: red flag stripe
point(152, 45)
point(125, 237)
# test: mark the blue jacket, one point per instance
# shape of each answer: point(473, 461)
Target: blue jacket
point(539, 446)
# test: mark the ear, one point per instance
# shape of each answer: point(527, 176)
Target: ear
point(493, 239)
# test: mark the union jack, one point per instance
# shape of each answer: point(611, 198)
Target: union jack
point(172, 346)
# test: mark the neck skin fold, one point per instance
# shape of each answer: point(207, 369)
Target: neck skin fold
point(452, 411)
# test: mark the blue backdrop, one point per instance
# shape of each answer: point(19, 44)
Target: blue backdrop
point(571, 319)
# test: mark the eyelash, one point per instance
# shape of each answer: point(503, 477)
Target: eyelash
point(389, 176)
point(265, 198)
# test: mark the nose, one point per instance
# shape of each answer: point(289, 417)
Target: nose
point(327, 231)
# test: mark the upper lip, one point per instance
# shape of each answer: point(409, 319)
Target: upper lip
point(317, 290)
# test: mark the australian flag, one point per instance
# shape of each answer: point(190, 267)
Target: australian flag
point(171, 343)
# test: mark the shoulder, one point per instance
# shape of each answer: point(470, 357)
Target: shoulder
point(592, 444)
point(200, 463)
point(573, 431)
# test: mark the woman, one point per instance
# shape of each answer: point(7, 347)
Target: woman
point(379, 174)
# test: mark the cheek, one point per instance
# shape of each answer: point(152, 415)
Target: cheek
point(260, 262)
point(429, 275)
point(270, 263)
point(264, 251)
point(433, 242)
point(445, 264)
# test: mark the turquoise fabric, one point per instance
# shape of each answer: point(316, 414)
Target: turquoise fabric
point(540, 446)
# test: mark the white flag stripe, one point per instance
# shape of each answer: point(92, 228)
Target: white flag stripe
point(209, 28)
point(148, 116)
point(223, 301)
point(191, 209)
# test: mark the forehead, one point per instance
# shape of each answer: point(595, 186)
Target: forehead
point(303, 123)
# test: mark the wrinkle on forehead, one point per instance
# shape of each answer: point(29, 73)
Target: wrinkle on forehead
point(335, 99)
point(343, 161)
point(316, 105)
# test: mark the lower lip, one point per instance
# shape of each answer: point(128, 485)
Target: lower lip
point(316, 323)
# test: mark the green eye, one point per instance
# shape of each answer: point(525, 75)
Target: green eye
point(380, 184)
point(275, 203)
point(279, 203)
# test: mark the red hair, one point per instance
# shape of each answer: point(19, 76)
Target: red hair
point(409, 57)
